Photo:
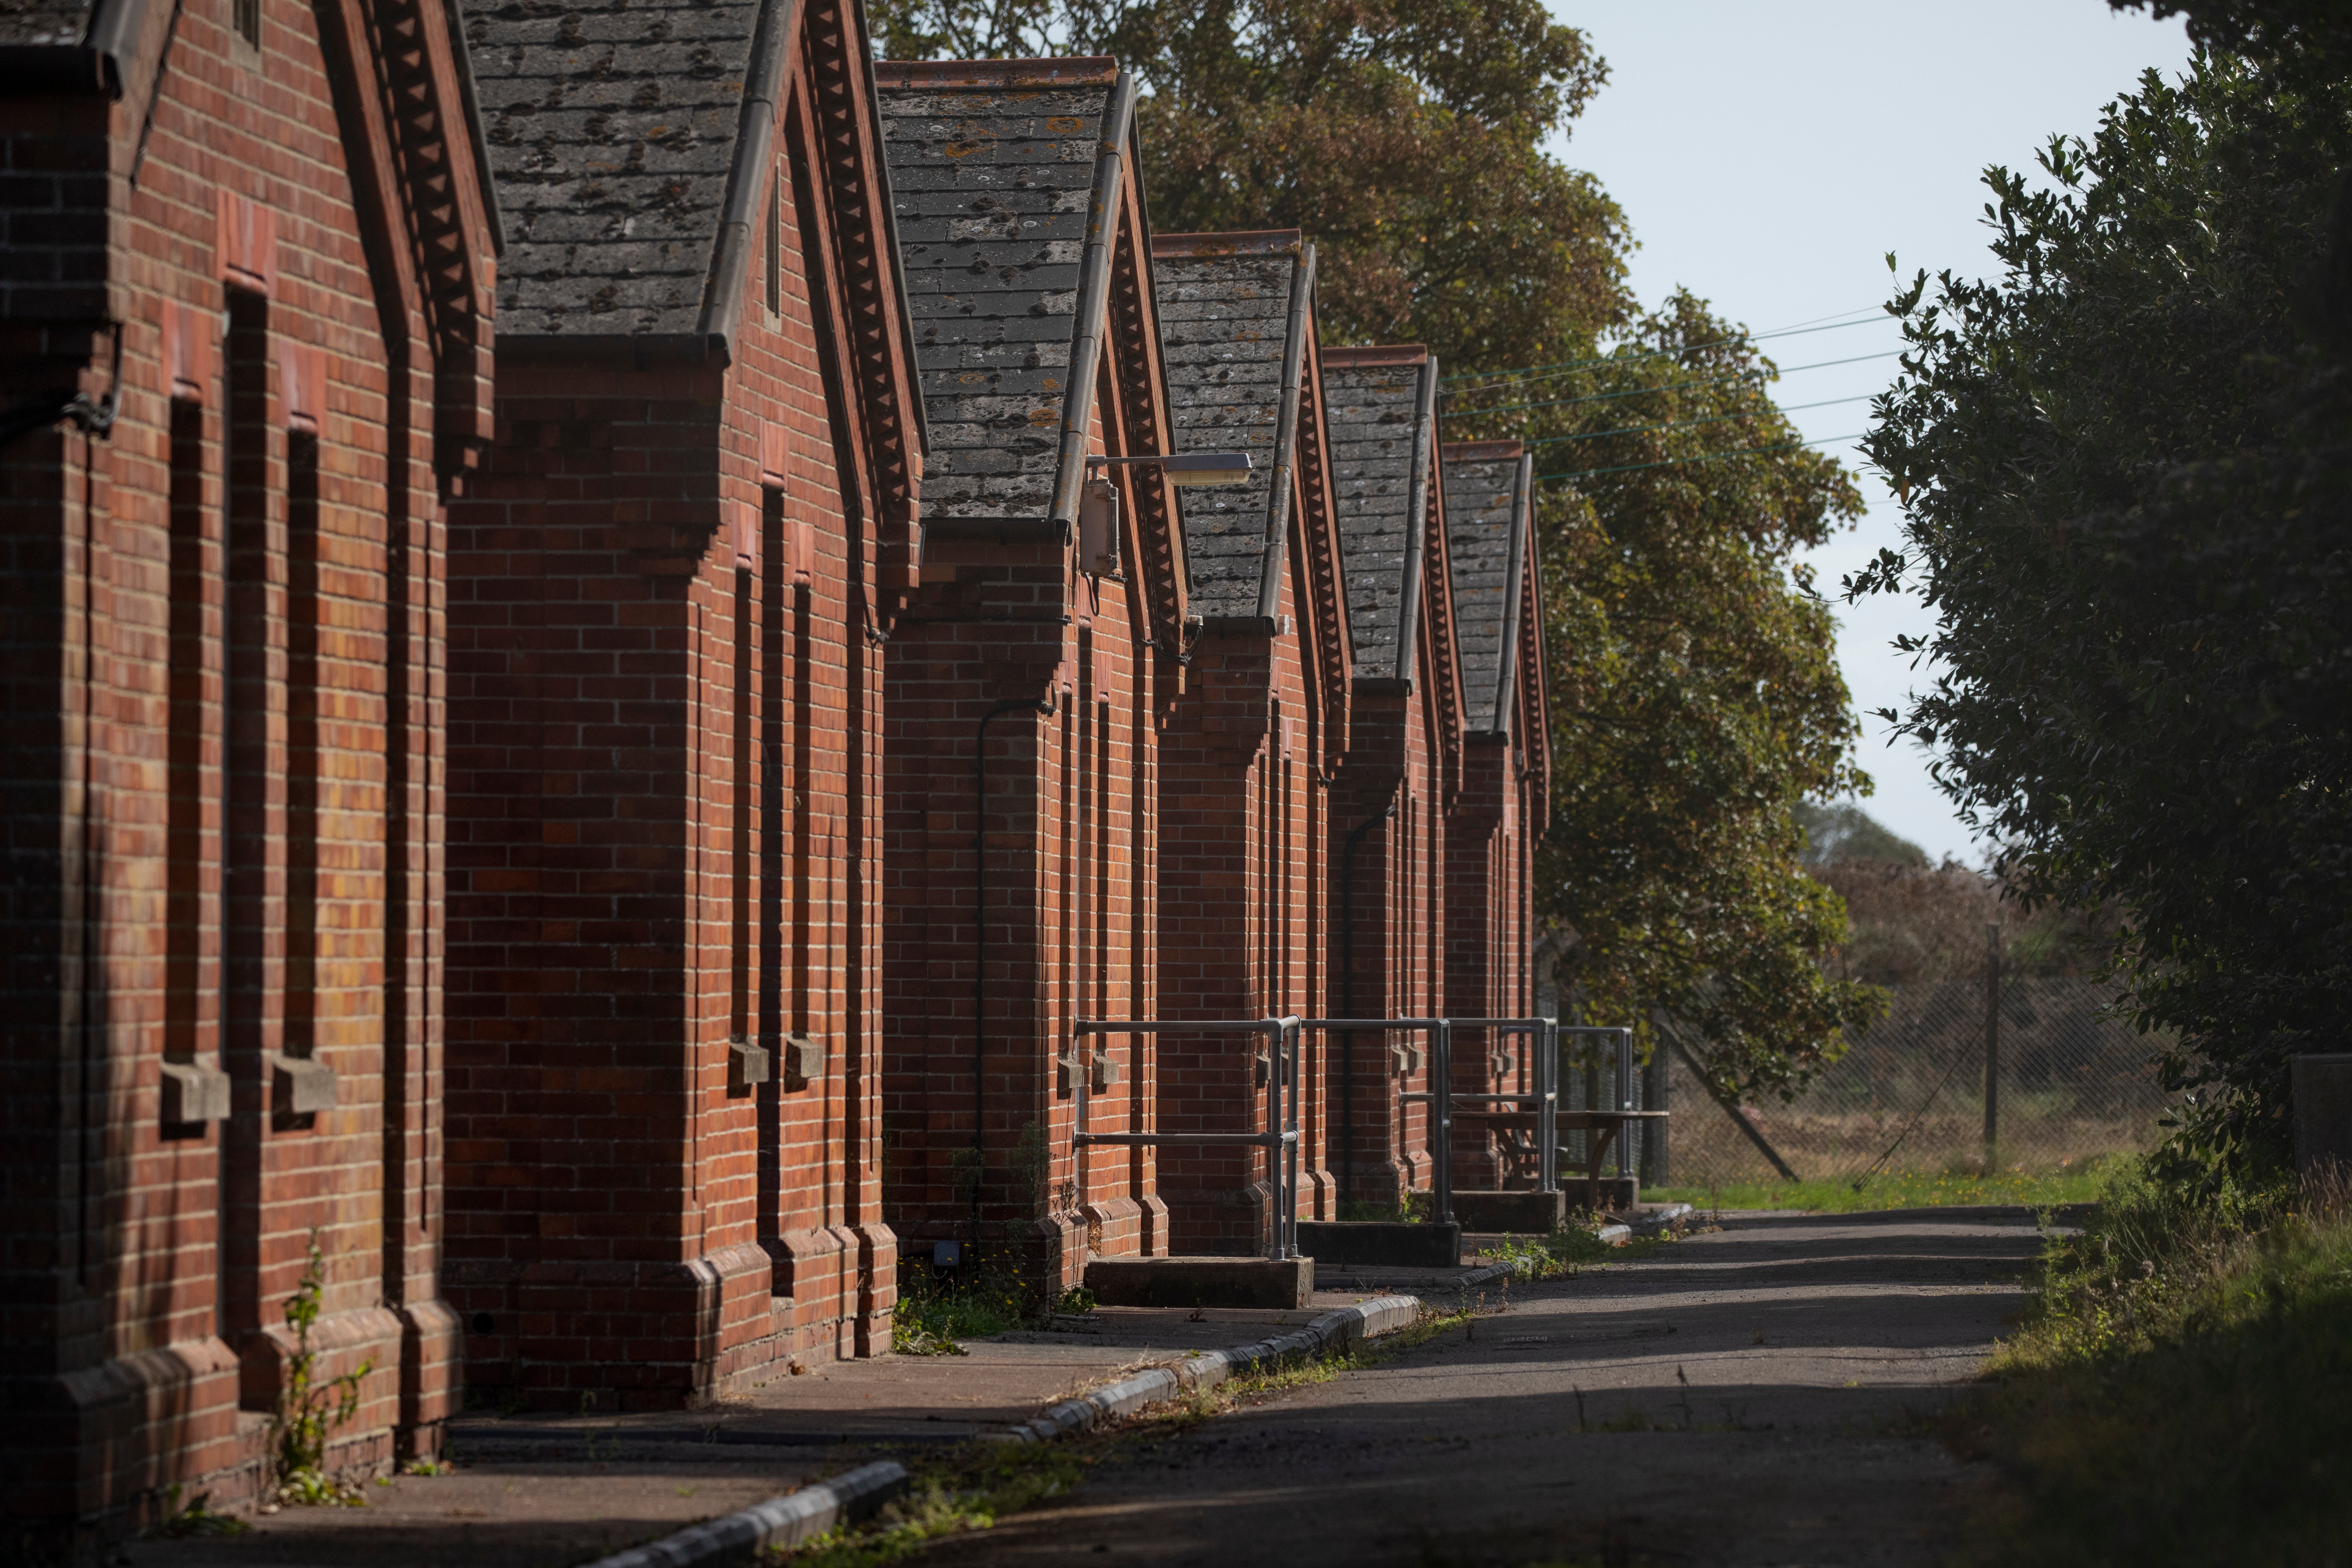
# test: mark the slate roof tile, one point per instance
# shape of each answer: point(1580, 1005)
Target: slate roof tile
point(44, 23)
point(990, 181)
point(1481, 499)
point(1369, 411)
point(1224, 316)
point(611, 129)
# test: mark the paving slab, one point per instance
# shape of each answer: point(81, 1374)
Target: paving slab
point(541, 1491)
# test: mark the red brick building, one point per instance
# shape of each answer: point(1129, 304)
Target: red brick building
point(1504, 804)
point(244, 331)
point(1262, 726)
point(670, 603)
point(1387, 833)
point(1031, 672)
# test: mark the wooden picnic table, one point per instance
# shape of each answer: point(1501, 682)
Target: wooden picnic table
point(1605, 1125)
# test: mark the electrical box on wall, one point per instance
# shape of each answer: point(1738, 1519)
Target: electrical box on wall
point(1098, 529)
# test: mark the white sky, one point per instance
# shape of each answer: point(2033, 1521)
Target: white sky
point(1769, 153)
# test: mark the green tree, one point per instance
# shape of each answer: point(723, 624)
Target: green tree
point(1696, 696)
point(2126, 468)
point(1405, 137)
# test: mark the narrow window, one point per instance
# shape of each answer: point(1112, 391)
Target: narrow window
point(248, 16)
point(247, 1028)
point(775, 778)
point(743, 809)
point(305, 763)
point(776, 244)
point(194, 570)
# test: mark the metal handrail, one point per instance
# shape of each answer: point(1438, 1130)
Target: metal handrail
point(1280, 1139)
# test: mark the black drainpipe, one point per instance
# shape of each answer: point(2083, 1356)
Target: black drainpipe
point(1348, 994)
point(979, 940)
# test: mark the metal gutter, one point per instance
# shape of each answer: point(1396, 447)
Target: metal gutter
point(462, 56)
point(1093, 302)
point(1417, 517)
point(97, 67)
point(1285, 439)
point(1507, 651)
point(755, 157)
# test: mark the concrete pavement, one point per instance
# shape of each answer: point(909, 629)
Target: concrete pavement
point(1752, 1396)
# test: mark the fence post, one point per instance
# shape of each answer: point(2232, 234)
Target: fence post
point(1992, 1043)
point(1655, 1167)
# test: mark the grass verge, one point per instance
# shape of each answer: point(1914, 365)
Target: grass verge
point(2181, 1391)
point(1897, 1190)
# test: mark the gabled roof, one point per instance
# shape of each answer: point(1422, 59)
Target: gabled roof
point(1235, 312)
point(627, 141)
point(1380, 411)
point(1006, 175)
point(1489, 491)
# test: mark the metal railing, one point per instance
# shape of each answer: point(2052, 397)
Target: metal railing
point(1440, 1070)
point(1544, 1101)
point(1281, 1136)
point(1280, 1139)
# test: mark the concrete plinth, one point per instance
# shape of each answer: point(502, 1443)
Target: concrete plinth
point(1287, 1284)
point(1518, 1214)
point(1375, 1243)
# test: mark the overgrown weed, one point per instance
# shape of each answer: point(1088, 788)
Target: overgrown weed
point(934, 1318)
point(967, 1489)
point(309, 1407)
point(2181, 1390)
point(1567, 1253)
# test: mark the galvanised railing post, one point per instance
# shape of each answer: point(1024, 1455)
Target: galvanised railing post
point(1441, 1109)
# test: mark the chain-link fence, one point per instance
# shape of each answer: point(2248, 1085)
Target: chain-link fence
point(1910, 1094)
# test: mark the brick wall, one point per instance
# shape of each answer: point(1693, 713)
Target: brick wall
point(223, 803)
point(1027, 688)
point(668, 608)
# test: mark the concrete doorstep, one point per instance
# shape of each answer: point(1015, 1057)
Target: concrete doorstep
point(811, 1511)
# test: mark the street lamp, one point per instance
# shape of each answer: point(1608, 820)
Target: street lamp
point(1099, 505)
point(1189, 467)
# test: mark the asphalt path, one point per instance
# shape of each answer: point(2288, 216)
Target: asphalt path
point(1758, 1396)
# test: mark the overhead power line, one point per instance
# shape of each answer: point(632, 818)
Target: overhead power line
point(1709, 458)
point(1532, 370)
point(1711, 419)
point(1668, 386)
